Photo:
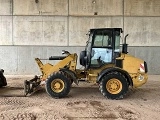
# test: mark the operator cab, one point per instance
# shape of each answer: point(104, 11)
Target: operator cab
point(102, 47)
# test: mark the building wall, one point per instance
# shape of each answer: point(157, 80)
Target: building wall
point(29, 29)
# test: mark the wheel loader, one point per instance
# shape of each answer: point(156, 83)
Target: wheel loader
point(113, 69)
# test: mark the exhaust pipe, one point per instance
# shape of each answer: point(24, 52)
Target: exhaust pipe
point(125, 45)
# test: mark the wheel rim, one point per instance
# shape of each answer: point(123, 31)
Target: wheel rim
point(114, 86)
point(57, 85)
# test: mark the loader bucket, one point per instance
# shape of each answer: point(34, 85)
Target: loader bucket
point(3, 81)
point(31, 86)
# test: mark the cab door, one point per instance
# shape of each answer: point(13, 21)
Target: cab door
point(102, 48)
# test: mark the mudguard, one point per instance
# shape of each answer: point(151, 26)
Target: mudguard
point(106, 71)
point(71, 73)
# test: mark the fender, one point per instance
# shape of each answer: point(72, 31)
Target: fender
point(111, 69)
point(71, 73)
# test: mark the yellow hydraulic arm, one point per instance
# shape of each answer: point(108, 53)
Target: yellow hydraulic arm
point(69, 61)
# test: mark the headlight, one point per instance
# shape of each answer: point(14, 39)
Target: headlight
point(140, 77)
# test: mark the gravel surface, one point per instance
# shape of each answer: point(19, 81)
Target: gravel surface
point(84, 102)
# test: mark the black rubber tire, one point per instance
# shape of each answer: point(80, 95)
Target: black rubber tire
point(3, 81)
point(66, 81)
point(106, 78)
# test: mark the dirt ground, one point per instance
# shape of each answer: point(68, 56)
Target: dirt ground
point(84, 102)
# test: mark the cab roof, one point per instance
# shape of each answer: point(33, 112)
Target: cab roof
point(112, 29)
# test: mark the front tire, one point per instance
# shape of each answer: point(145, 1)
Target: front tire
point(58, 85)
point(113, 85)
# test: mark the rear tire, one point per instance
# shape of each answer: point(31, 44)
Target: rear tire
point(113, 85)
point(58, 85)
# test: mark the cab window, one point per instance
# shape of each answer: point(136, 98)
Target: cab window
point(102, 39)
